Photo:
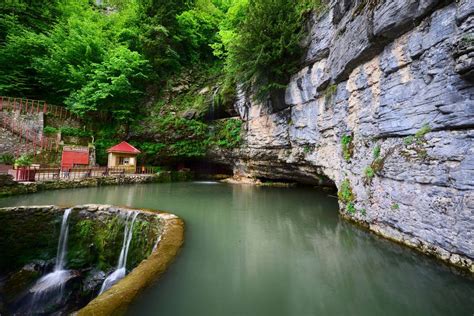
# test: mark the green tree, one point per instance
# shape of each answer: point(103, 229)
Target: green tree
point(198, 30)
point(266, 47)
point(113, 86)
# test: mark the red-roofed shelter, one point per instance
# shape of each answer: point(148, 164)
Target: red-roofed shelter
point(122, 155)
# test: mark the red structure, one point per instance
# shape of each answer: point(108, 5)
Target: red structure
point(74, 157)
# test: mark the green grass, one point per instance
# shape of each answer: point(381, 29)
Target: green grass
point(7, 159)
point(351, 208)
point(369, 172)
point(345, 193)
point(330, 91)
point(376, 152)
point(419, 137)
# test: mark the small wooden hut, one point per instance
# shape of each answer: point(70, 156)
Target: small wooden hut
point(122, 155)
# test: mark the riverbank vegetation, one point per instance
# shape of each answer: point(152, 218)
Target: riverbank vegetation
point(151, 71)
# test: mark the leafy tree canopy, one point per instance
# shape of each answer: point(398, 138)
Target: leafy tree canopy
point(101, 57)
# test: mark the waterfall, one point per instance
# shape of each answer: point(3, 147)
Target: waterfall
point(121, 270)
point(62, 246)
point(157, 243)
point(212, 109)
point(49, 288)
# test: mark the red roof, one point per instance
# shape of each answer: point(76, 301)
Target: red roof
point(123, 148)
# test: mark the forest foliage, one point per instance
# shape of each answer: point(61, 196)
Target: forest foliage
point(102, 58)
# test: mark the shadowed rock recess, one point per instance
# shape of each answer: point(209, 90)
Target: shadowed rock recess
point(384, 107)
point(94, 239)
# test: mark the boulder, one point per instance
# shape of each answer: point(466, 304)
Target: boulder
point(190, 114)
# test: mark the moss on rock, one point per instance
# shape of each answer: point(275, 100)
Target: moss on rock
point(96, 235)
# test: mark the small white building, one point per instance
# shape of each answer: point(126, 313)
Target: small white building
point(122, 155)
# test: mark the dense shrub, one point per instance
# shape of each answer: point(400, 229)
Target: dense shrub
point(265, 48)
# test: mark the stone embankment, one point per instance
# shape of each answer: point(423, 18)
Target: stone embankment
point(384, 107)
point(9, 187)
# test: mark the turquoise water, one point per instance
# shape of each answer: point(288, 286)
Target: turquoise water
point(276, 251)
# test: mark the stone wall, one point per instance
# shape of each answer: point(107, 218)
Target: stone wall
point(394, 82)
point(33, 122)
point(32, 233)
point(10, 142)
point(8, 188)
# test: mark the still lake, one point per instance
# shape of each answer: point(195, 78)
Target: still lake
point(276, 251)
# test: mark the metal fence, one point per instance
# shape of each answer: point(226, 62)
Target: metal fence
point(26, 106)
point(30, 174)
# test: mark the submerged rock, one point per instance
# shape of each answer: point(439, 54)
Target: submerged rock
point(92, 282)
point(19, 281)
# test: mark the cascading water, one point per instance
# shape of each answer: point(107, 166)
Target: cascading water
point(121, 270)
point(62, 246)
point(157, 243)
point(49, 289)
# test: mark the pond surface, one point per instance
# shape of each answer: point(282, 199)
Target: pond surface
point(276, 251)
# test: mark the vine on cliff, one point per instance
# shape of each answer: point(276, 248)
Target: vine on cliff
point(417, 141)
point(347, 147)
point(347, 196)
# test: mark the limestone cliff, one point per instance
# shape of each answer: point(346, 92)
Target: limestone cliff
point(384, 107)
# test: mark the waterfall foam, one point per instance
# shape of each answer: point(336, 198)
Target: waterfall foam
point(49, 288)
point(121, 270)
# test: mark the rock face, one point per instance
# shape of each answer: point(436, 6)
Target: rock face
point(384, 107)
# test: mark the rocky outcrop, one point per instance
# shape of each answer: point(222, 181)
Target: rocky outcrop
point(384, 107)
